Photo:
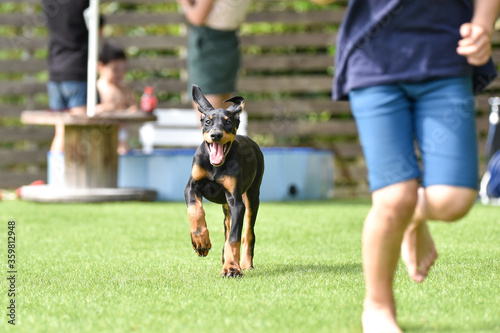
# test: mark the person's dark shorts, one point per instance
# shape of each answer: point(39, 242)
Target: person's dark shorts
point(213, 60)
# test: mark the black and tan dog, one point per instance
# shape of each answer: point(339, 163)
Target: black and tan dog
point(227, 169)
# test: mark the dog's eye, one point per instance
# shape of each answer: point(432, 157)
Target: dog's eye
point(208, 121)
point(228, 122)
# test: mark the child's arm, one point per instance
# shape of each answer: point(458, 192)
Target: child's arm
point(475, 44)
point(115, 98)
point(196, 11)
point(105, 107)
point(106, 98)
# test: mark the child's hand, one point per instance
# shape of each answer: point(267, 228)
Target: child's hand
point(475, 44)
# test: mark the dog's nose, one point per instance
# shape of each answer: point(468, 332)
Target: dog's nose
point(216, 136)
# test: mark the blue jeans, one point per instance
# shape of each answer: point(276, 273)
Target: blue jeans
point(67, 94)
point(438, 114)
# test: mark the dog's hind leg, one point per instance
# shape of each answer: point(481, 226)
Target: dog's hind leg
point(231, 266)
point(227, 226)
point(251, 201)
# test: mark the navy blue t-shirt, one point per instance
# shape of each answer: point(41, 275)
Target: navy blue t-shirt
point(68, 39)
point(389, 41)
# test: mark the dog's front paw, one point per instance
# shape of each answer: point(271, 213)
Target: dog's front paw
point(200, 239)
point(231, 270)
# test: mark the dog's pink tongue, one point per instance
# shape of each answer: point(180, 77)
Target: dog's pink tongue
point(216, 153)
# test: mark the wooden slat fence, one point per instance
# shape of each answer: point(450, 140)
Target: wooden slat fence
point(286, 79)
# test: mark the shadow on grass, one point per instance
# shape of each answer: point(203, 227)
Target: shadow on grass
point(447, 328)
point(329, 202)
point(303, 269)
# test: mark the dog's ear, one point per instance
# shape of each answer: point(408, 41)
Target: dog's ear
point(203, 104)
point(237, 106)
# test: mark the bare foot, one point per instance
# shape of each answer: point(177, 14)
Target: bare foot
point(418, 251)
point(377, 319)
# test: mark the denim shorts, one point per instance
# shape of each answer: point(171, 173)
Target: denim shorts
point(66, 94)
point(438, 115)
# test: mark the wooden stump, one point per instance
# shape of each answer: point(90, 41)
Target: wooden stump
point(90, 157)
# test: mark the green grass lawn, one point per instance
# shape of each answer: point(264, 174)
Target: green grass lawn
point(129, 267)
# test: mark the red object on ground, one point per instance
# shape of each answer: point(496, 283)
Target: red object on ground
point(35, 183)
point(148, 100)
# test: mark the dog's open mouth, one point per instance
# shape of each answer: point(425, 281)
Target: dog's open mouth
point(218, 152)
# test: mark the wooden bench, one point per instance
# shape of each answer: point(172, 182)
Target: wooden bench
point(176, 128)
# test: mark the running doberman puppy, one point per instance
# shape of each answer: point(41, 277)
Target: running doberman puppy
point(227, 169)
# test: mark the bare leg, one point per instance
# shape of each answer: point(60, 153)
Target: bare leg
point(217, 101)
point(78, 110)
point(57, 145)
point(391, 212)
point(438, 202)
point(58, 141)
